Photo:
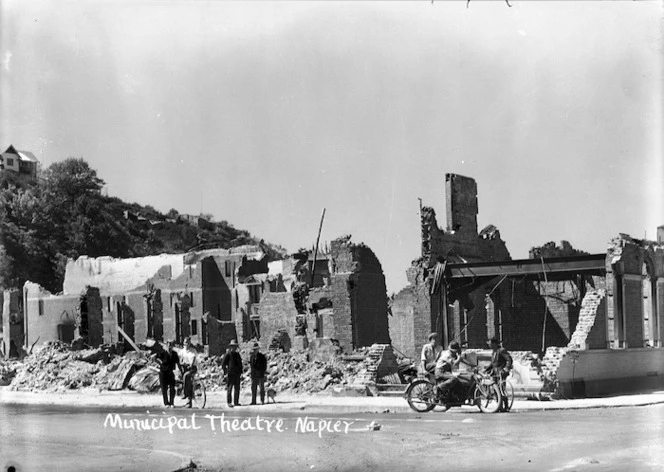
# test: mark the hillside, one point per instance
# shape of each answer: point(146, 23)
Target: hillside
point(63, 214)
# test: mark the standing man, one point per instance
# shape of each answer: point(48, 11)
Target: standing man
point(258, 364)
point(501, 365)
point(168, 359)
point(430, 354)
point(232, 365)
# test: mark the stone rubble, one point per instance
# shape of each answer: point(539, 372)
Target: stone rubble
point(56, 367)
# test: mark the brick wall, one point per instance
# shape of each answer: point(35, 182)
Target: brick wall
point(55, 311)
point(591, 307)
point(370, 308)
point(343, 310)
point(277, 311)
point(597, 337)
point(95, 326)
point(613, 371)
point(220, 334)
point(461, 204)
point(402, 322)
point(12, 321)
point(523, 311)
point(358, 294)
point(633, 306)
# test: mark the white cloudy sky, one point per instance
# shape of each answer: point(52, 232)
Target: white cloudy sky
point(263, 113)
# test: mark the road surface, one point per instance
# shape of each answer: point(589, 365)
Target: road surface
point(57, 438)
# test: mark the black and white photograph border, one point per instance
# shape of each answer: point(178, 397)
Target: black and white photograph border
point(331, 235)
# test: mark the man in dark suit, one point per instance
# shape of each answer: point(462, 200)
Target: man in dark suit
point(258, 364)
point(232, 365)
point(168, 359)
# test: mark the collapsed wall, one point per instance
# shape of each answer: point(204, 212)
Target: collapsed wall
point(348, 301)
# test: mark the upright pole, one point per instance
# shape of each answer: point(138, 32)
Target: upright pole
point(546, 308)
point(320, 228)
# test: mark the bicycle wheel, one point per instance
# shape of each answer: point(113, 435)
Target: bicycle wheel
point(488, 398)
point(200, 398)
point(507, 390)
point(420, 396)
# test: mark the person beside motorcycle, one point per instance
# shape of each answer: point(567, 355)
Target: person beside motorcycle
point(430, 354)
point(501, 365)
point(446, 379)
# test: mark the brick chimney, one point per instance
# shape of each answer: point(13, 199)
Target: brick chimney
point(461, 196)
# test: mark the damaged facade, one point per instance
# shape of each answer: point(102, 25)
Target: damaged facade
point(210, 297)
point(466, 287)
point(344, 298)
point(175, 296)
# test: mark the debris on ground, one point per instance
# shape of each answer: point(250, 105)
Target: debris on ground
point(55, 366)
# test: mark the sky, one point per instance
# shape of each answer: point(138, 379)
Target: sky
point(264, 113)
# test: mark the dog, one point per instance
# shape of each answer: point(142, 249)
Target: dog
point(271, 395)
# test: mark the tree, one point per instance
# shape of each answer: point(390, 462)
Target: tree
point(73, 177)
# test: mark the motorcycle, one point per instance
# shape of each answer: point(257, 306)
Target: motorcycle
point(480, 389)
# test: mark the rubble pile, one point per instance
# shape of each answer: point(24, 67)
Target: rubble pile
point(8, 371)
point(55, 366)
point(293, 371)
point(550, 363)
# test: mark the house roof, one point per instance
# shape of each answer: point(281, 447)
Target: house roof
point(22, 155)
point(27, 156)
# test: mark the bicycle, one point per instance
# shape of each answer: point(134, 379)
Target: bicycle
point(199, 397)
point(483, 392)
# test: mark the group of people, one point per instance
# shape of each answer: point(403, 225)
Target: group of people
point(441, 363)
point(434, 360)
point(231, 363)
point(232, 366)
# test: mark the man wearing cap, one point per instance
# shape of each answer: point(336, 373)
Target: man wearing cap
point(448, 359)
point(232, 365)
point(430, 354)
point(168, 359)
point(501, 365)
point(258, 364)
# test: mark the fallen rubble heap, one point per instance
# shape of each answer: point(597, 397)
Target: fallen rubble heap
point(56, 367)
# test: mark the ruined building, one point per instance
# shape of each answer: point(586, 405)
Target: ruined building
point(170, 296)
point(607, 308)
point(208, 297)
point(346, 300)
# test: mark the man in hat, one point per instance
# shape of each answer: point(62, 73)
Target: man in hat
point(448, 359)
point(232, 365)
point(258, 364)
point(430, 354)
point(501, 365)
point(168, 359)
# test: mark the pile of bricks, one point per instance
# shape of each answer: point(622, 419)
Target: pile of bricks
point(550, 363)
point(57, 367)
point(381, 364)
point(589, 306)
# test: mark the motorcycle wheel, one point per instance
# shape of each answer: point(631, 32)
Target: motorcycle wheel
point(421, 396)
point(487, 398)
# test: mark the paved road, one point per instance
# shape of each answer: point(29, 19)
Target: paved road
point(60, 438)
